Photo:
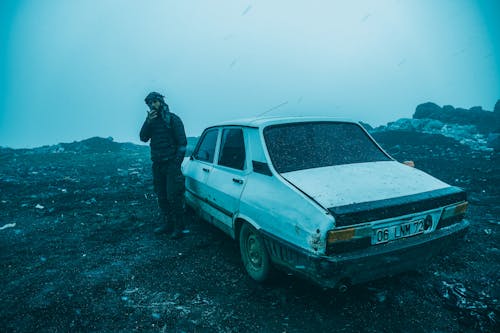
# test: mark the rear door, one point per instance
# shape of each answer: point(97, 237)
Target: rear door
point(229, 174)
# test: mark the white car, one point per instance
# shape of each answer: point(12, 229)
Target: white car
point(320, 198)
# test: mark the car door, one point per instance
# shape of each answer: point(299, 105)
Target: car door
point(229, 174)
point(198, 169)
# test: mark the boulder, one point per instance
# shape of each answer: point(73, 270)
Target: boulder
point(427, 110)
point(448, 108)
point(433, 125)
point(485, 121)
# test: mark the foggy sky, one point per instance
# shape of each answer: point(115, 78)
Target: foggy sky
point(75, 69)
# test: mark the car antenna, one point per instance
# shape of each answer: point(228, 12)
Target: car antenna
point(273, 108)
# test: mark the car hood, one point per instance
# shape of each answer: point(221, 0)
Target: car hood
point(349, 184)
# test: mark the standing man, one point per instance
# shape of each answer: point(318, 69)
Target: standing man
point(168, 145)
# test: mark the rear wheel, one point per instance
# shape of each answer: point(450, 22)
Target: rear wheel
point(254, 254)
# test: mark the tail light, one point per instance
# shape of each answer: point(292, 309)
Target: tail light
point(453, 214)
point(349, 239)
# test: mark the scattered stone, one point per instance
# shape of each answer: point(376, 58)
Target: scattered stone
point(92, 201)
point(8, 225)
point(477, 309)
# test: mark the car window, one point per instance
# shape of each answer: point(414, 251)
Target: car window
point(232, 153)
point(206, 148)
point(300, 146)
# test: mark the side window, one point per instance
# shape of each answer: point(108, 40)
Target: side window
point(206, 148)
point(232, 153)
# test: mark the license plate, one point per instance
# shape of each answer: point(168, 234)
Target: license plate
point(397, 231)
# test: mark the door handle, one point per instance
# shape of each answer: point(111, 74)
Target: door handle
point(239, 181)
point(205, 169)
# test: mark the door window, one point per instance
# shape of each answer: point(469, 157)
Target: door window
point(206, 148)
point(232, 153)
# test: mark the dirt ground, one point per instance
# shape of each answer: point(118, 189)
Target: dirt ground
point(78, 253)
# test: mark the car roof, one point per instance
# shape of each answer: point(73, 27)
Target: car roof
point(263, 122)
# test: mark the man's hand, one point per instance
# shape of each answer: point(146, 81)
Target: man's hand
point(152, 115)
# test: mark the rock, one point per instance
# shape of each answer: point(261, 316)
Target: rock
point(404, 124)
point(448, 108)
point(473, 127)
point(433, 125)
point(8, 225)
point(493, 141)
point(367, 126)
point(476, 309)
point(465, 134)
point(484, 121)
point(427, 110)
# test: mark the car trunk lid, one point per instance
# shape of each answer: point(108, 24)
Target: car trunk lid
point(364, 192)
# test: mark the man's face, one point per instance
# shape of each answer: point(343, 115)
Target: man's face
point(155, 105)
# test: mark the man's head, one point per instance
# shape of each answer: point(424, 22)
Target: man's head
point(154, 100)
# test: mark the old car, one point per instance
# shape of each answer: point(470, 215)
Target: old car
point(318, 197)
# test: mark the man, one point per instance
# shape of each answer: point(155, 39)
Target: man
point(168, 145)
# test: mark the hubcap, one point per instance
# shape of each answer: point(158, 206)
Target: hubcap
point(254, 251)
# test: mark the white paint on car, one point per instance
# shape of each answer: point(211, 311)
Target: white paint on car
point(347, 184)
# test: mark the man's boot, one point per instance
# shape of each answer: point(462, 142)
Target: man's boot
point(176, 234)
point(177, 227)
point(165, 227)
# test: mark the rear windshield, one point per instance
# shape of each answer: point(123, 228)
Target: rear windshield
point(300, 146)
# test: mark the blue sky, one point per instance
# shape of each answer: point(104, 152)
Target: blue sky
point(75, 69)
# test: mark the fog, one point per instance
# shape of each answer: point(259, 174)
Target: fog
point(75, 69)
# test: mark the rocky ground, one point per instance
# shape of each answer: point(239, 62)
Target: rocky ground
point(78, 253)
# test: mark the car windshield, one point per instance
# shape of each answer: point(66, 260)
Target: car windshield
point(299, 146)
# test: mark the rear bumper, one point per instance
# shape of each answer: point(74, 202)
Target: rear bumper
point(367, 264)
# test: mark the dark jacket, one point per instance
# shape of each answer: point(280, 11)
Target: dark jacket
point(168, 139)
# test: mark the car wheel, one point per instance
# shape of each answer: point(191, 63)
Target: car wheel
point(254, 254)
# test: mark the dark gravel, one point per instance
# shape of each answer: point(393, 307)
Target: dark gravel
point(82, 255)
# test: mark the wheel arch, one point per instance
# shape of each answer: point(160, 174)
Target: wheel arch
point(238, 223)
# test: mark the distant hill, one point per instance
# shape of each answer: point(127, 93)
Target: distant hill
point(91, 145)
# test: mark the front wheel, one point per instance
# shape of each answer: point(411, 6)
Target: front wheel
point(254, 254)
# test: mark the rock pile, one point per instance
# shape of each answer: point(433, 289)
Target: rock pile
point(475, 127)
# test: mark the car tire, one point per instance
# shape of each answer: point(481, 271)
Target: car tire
point(254, 254)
